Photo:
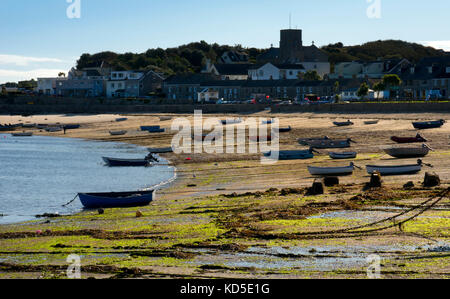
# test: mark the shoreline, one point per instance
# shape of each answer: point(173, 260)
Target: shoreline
point(160, 186)
point(231, 217)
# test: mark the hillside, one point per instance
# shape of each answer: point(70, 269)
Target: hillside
point(191, 57)
point(387, 49)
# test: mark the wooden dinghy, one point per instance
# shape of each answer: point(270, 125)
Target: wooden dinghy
point(416, 139)
point(429, 124)
point(116, 199)
point(332, 171)
point(23, 134)
point(117, 133)
point(408, 152)
point(343, 124)
point(113, 162)
point(330, 143)
point(344, 155)
point(395, 169)
point(371, 122)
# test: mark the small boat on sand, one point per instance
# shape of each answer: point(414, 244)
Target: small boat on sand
point(117, 133)
point(116, 199)
point(371, 122)
point(23, 134)
point(165, 118)
point(153, 129)
point(408, 152)
point(343, 124)
point(344, 155)
point(330, 143)
point(163, 150)
point(429, 124)
point(395, 169)
point(416, 139)
point(121, 119)
point(71, 127)
point(306, 141)
point(113, 162)
point(231, 121)
point(332, 171)
point(28, 126)
point(292, 155)
point(285, 130)
point(54, 129)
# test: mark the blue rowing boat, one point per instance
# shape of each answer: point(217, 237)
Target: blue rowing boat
point(116, 199)
point(153, 129)
point(429, 124)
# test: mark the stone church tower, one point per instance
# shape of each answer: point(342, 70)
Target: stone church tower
point(291, 46)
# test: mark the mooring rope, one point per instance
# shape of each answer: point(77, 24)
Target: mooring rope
point(352, 230)
point(70, 201)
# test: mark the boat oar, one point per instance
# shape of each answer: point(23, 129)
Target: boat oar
point(71, 201)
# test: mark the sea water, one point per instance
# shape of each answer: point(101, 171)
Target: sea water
point(40, 174)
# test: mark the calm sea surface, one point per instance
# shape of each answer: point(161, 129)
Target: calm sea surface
point(40, 174)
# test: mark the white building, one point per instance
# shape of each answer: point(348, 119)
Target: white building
point(271, 71)
point(207, 95)
point(120, 81)
point(47, 86)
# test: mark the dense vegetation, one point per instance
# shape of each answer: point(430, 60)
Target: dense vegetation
point(388, 49)
point(191, 57)
point(184, 59)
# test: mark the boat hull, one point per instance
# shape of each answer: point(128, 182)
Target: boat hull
point(408, 152)
point(428, 125)
point(404, 140)
point(125, 162)
point(331, 171)
point(341, 156)
point(394, 170)
point(330, 144)
point(22, 134)
point(118, 133)
point(116, 200)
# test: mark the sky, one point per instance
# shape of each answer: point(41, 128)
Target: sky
point(40, 38)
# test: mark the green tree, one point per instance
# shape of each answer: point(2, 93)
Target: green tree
point(392, 82)
point(379, 87)
point(363, 90)
point(311, 76)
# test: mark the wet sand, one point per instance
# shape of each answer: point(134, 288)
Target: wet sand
point(228, 215)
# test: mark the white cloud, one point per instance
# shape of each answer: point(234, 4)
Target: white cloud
point(439, 44)
point(25, 60)
point(14, 75)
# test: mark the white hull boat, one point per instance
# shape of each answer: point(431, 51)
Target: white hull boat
point(331, 171)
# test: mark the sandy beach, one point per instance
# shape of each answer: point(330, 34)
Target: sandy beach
point(229, 216)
